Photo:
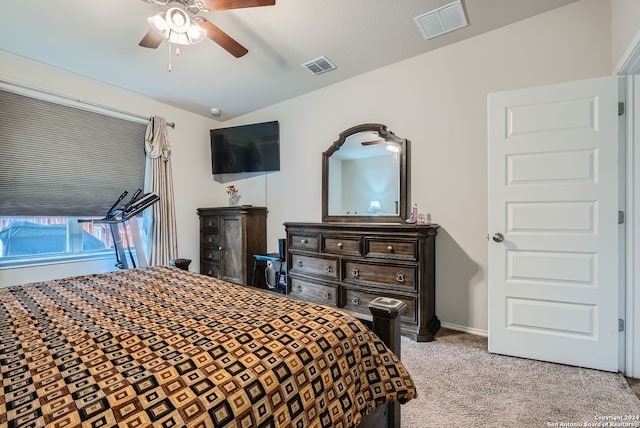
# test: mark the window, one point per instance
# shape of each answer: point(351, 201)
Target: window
point(59, 164)
point(37, 239)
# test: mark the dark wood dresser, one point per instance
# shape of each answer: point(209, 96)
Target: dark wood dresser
point(349, 264)
point(229, 237)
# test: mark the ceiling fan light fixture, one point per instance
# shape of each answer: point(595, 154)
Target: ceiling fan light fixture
point(178, 38)
point(178, 20)
point(177, 26)
point(159, 24)
point(393, 148)
point(196, 33)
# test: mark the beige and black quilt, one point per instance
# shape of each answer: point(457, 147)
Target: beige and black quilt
point(163, 347)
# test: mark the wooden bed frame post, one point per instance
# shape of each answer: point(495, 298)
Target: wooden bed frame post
point(386, 324)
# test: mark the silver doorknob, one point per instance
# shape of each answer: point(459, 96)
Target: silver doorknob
point(498, 237)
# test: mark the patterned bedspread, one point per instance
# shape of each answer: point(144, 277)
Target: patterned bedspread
point(163, 347)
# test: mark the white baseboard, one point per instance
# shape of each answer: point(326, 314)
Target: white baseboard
point(464, 329)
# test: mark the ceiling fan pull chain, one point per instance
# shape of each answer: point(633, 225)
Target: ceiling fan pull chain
point(170, 68)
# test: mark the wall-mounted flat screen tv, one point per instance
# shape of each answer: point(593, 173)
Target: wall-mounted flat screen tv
point(246, 148)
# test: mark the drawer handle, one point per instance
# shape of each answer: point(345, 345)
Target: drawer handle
point(209, 255)
point(390, 249)
point(209, 272)
point(304, 241)
point(299, 288)
point(327, 268)
point(355, 272)
point(209, 223)
point(340, 245)
point(219, 248)
point(209, 239)
point(400, 277)
point(326, 295)
point(355, 300)
point(299, 263)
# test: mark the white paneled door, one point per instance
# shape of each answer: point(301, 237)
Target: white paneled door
point(553, 223)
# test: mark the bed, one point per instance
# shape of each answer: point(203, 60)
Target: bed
point(160, 346)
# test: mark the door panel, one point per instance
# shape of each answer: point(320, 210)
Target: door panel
point(559, 217)
point(232, 261)
point(554, 167)
point(551, 268)
point(553, 196)
point(564, 319)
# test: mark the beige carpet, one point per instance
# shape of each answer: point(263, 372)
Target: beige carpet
point(461, 385)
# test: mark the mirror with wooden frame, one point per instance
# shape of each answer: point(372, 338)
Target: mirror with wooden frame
point(364, 176)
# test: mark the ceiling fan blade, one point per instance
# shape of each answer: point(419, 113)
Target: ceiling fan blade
point(223, 39)
point(151, 40)
point(236, 4)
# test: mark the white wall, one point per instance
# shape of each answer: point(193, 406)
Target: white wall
point(625, 27)
point(373, 178)
point(438, 101)
point(193, 182)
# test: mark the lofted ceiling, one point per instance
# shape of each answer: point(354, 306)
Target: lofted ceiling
point(98, 39)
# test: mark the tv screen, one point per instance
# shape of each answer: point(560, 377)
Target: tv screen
point(246, 148)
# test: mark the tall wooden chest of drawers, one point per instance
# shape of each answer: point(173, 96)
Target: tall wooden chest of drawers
point(349, 264)
point(229, 237)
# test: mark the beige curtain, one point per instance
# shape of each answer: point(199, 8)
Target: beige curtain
point(160, 219)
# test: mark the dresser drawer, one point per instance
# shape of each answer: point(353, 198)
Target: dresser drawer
point(347, 246)
point(316, 266)
point(208, 240)
point(320, 293)
point(210, 225)
point(406, 249)
point(209, 255)
point(304, 242)
point(210, 269)
point(401, 277)
point(358, 301)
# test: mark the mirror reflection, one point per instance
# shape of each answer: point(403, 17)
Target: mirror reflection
point(364, 176)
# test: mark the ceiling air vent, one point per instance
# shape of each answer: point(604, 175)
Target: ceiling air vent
point(319, 65)
point(441, 20)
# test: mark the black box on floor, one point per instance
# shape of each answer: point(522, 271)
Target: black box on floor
point(282, 249)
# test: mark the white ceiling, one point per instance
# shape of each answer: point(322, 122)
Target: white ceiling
point(98, 39)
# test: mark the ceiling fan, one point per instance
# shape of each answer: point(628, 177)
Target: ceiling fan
point(370, 138)
point(373, 138)
point(180, 24)
point(371, 143)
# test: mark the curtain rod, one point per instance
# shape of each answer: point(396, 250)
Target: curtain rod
point(79, 100)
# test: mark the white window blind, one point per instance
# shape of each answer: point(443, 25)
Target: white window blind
point(57, 160)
